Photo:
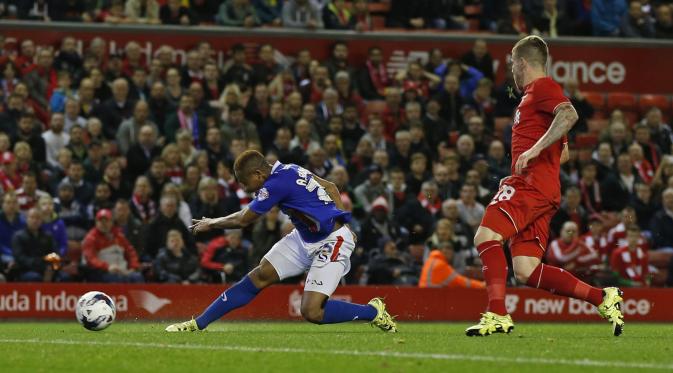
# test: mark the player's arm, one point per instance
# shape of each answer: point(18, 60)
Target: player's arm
point(332, 192)
point(240, 219)
point(565, 153)
point(564, 119)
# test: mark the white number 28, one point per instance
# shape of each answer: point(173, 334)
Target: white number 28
point(504, 194)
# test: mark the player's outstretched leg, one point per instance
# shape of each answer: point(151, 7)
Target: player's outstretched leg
point(319, 309)
point(530, 271)
point(491, 252)
point(236, 296)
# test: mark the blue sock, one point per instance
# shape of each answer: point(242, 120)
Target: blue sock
point(337, 311)
point(236, 296)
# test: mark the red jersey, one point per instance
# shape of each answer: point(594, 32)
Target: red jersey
point(631, 265)
point(532, 119)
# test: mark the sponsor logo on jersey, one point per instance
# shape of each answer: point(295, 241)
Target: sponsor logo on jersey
point(262, 194)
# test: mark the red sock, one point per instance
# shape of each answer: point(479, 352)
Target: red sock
point(561, 282)
point(495, 273)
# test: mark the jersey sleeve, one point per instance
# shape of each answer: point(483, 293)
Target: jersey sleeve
point(268, 196)
point(551, 96)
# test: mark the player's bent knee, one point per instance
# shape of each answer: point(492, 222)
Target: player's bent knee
point(485, 234)
point(521, 274)
point(312, 313)
point(523, 267)
point(264, 275)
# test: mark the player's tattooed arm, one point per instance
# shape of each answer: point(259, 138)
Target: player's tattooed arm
point(239, 219)
point(564, 119)
point(565, 153)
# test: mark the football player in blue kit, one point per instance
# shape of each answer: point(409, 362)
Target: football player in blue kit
point(321, 244)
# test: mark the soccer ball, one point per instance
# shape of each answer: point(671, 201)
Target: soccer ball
point(95, 310)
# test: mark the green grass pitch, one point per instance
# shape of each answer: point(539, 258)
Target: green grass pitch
point(302, 347)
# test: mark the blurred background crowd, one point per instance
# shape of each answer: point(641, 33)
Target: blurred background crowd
point(106, 157)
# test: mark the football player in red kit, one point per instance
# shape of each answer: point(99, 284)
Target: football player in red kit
point(526, 201)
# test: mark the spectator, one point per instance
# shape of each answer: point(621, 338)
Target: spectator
point(662, 221)
point(73, 214)
point(71, 116)
point(630, 262)
point(663, 28)
point(55, 138)
point(552, 20)
point(53, 225)
point(203, 11)
point(438, 272)
point(570, 253)
point(28, 194)
point(83, 189)
point(11, 222)
point(515, 21)
point(283, 150)
point(367, 192)
point(479, 58)
point(129, 129)
point(143, 11)
point(42, 80)
point(620, 185)
point(469, 209)
point(35, 252)
point(174, 263)
point(226, 257)
point(635, 23)
point(596, 238)
point(363, 21)
point(157, 230)
point(373, 77)
point(208, 204)
point(140, 155)
point(112, 176)
point(101, 200)
point(30, 132)
point(337, 16)
point(640, 163)
point(644, 205)
point(607, 16)
point(584, 109)
point(660, 132)
point(410, 14)
point(591, 196)
point(173, 13)
point(269, 11)
point(115, 110)
point(237, 127)
point(143, 206)
point(301, 14)
point(129, 225)
point(391, 266)
point(60, 92)
point(267, 69)
point(108, 254)
point(650, 150)
point(265, 234)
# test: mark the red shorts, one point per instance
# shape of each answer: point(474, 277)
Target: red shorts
point(520, 213)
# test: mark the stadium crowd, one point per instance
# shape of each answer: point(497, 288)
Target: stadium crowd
point(551, 18)
point(105, 158)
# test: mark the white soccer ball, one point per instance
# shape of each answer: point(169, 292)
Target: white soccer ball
point(95, 310)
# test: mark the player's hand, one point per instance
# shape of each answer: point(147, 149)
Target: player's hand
point(525, 158)
point(202, 225)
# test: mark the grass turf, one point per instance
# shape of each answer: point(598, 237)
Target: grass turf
point(302, 347)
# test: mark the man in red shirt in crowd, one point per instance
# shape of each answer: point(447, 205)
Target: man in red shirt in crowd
point(527, 200)
point(108, 254)
point(630, 262)
point(571, 253)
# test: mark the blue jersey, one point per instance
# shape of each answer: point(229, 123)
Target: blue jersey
point(302, 198)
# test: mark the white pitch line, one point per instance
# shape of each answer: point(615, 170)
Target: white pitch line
point(413, 355)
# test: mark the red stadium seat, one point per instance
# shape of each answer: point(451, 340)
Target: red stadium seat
point(378, 22)
point(586, 141)
point(472, 10)
point(621, 100)
point(382, 7)
point(596, 99)
point(646, 102)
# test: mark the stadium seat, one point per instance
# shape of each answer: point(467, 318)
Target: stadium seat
point(597, 125)
point(382, 7)
point(586, 140)
point(621, 100)
point(647, 101)
point(378, 22)
point(596, 99)
point(472, 10)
